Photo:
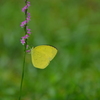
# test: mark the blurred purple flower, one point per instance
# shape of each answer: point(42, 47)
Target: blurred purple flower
point(26, 7)
point(25, 37)
point(29, 32)
point(23, 23)
point(28, 50)
point(22, 41)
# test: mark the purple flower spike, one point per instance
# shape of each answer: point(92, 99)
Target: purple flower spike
point(24, 23)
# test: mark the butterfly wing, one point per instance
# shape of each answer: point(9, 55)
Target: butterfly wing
point(47, 50)
point(42, 55)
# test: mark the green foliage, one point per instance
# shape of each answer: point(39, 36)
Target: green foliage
point(73, 27)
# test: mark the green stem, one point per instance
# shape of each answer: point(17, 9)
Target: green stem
point(25, 29)
point(22, 75)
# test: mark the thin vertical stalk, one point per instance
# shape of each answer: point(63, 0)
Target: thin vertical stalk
point(22, 74)
point(23, 68)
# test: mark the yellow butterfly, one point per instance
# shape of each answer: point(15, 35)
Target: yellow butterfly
point(42, 55)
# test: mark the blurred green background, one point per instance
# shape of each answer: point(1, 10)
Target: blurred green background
point(73, 27)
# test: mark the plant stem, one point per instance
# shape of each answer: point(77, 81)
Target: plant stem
point(23, 68)
point(22, 74)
